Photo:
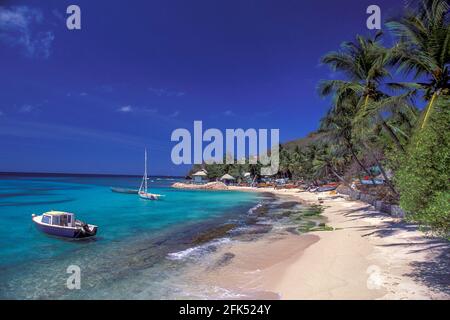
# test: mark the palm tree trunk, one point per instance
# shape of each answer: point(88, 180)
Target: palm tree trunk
point(387, 128)
point(352, 151)
point(377, 161)
point(337, 175)
point(429, 109)
point(392, 135)
point(406, 120)
point(388, 182)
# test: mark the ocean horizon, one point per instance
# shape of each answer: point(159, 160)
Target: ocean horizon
point(56, 174)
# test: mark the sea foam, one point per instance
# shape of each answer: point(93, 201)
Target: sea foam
point(196, 252)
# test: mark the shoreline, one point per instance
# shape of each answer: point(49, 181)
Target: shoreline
point(368, 255)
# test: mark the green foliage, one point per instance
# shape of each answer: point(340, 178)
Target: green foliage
point(309, 226)
point(437, 214)
point(423, 177)
point(313, 210)
point(424, 42)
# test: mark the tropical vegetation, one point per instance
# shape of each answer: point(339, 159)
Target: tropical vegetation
point(378, 125)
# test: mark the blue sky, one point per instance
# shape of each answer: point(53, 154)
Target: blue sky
point(88, 101)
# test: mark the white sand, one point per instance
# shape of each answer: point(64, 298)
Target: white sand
point(369, 256)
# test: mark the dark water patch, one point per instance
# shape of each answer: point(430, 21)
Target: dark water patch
point(36, 191)
point(17, 194)
point(261, 211)
point(287, 205)
point(212, 234)
point(251, 220)
point(33, 203)
point(9, 188)
point(26, 194)
point(60, 188)
point(252, 229)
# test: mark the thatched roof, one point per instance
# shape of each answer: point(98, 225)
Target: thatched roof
point(227, 177)
point(200, 173)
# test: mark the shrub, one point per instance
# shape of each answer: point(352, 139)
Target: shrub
point(423, 177)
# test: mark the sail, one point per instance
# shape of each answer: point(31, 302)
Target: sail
point(143, 187)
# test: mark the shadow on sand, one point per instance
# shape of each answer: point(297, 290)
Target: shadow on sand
point(434, 272)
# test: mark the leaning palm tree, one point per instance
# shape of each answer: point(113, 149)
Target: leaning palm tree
point(337, 126)
point(329, 161)
point(424, 48)
point(339, 130)
point(365, 65)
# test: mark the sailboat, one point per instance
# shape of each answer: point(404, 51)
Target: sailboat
point(143, 189)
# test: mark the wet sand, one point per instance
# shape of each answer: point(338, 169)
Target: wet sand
point(369, 255)
point(253, 266)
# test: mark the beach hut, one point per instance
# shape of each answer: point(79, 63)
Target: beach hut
point(227, 179)
point(200, 176)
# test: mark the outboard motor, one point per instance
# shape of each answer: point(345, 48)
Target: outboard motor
point(85, 228)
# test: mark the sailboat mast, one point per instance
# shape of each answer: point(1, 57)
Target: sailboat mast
point(145, 172)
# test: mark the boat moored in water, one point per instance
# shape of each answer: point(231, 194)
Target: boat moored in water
point(124, 190)
point(150, 196)
point(143, 189)
point(63, 224)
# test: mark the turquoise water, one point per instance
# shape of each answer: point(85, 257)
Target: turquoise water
point(128, 258)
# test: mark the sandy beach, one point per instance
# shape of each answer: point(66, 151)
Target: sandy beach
point(368, 255)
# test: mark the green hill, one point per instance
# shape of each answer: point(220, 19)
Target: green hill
point(312, 138)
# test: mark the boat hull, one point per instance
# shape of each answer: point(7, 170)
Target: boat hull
point(72, 233)
point(149, 196)
point(123, 190)
point(324, 189)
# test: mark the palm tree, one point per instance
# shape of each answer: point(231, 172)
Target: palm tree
point(424, 47)
point(364, 62)
point(338, 127)
point(296, 162)
point(329, 160)
point(285, 162)
point(307, 157)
